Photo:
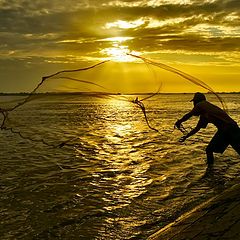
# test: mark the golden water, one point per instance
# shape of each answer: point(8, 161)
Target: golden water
point(120, 181)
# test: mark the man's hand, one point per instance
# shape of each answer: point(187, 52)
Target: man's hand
point(178, 124)
point(183, 138)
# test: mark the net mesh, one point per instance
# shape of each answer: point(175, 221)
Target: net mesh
point(94, 81)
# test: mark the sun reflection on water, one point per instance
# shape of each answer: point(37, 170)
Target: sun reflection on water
point(117, 165)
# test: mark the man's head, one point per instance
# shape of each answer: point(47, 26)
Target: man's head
point(198, 97)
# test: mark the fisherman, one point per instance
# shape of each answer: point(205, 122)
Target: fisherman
point(228, 131)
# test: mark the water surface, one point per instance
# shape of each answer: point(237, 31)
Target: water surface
point(120, 181)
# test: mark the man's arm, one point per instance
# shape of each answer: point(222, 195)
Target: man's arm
point(194, 112)
point(192, 132)
point(202, 123)
point(183, 119)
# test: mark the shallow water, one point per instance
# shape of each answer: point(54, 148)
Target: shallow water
point(120, 181)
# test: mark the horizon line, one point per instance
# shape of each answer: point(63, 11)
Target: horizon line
point(107, 93)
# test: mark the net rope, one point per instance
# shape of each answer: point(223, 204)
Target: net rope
point(7, 111)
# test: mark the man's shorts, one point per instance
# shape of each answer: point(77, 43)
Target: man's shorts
point(221, 140)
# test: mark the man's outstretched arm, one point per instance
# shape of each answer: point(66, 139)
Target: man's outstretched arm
point(183, 119)
point(192, 132)
point(202, 123)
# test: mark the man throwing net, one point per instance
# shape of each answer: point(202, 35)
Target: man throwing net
point(228, 131)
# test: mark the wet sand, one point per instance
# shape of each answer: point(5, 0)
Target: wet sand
point(218, 218)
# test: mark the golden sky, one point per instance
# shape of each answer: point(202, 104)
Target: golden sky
point(200, 37)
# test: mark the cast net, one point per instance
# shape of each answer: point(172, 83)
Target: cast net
point(103, 80)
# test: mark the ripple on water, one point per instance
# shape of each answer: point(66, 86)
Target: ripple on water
point(121, 181)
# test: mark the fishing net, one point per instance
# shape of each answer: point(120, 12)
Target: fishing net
point(103, 80)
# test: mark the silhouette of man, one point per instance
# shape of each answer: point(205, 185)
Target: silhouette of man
point(228, 131)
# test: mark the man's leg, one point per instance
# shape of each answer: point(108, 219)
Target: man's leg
point(236, 147)
point(210, 157)
point(235, 140)
point(218, 144)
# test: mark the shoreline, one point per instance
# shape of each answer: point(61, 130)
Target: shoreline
point(217, 218)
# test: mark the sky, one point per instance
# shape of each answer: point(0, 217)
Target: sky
point(200, 37)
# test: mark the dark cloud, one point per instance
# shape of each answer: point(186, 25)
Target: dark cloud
point(50, 16)
point(41, 25)
point(187, 42)
point(198, 44)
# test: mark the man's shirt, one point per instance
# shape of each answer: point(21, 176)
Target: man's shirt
point(210, 113)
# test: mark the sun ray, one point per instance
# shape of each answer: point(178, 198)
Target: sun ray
point(118, 51)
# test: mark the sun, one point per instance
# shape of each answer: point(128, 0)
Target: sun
point(118, 52)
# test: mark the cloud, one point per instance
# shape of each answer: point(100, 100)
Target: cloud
point(44, 36)
point(78, 27)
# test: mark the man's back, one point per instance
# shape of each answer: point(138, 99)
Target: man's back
point(213, 114)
